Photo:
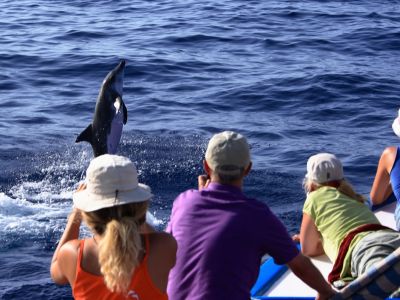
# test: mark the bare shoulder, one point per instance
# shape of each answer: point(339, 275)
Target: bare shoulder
point(72, 245)
point(162, 257)
point(391, 150)
point(163, 247)
point(163, 240)
point(388, 157)
point(69, 249)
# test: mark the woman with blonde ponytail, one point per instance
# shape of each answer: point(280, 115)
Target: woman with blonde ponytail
point(119, 261)
point(336, 222)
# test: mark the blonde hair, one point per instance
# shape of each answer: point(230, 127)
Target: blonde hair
point(343, 186)
point(120, 245)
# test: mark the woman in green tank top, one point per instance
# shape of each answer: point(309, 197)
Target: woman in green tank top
point(336, 222)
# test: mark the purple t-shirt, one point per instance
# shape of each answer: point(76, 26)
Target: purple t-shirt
point(222, 236)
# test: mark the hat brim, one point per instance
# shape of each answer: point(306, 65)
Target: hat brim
point(88, 201)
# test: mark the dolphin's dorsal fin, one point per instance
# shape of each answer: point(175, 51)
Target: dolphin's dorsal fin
point(85, 135)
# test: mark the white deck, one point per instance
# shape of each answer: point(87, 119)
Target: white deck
point(290, 286)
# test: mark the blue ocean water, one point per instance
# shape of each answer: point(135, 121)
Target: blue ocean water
point(296, 77)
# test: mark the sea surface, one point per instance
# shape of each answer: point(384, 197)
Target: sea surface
point(295, 77)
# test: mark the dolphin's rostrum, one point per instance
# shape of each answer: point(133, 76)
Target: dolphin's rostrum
point(110, 114)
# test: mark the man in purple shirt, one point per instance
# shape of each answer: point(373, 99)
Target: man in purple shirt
point(222, 235)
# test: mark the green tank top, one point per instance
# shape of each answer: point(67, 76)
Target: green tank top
point(335, 215)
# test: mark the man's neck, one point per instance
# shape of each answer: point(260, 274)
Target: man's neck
point(237, 183)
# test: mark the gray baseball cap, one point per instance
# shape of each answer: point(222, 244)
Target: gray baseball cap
point(228, 153)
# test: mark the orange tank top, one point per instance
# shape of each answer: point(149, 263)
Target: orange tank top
point(89, 286)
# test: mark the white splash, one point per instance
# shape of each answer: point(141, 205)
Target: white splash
point(21, 216)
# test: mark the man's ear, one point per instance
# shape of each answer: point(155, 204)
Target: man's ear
point(247, 171)
point(206, 167)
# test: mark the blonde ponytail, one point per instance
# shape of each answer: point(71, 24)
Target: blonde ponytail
point(120, 245)
point(119, 251)
point(346, 188)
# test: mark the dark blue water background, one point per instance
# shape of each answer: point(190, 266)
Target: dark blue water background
point(296, 77)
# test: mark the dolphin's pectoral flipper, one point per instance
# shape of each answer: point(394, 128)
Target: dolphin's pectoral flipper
point(125, 111)
point(86, 135)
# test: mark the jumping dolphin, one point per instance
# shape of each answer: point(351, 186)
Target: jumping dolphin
point(110, 114)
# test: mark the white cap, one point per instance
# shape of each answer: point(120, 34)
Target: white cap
point(228, 153)
point(396, 125)
point(111, 180)
point(324, 167)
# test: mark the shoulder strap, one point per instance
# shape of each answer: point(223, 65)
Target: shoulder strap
point(147, 246)
point(80, 254)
